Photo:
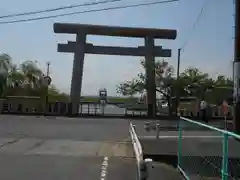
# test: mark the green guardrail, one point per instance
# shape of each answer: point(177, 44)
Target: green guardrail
point(213, 159)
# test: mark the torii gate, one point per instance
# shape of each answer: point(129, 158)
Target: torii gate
point(80, 47)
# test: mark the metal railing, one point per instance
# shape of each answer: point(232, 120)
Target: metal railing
point(213, 154)
point(136, 147)
point(143, 165)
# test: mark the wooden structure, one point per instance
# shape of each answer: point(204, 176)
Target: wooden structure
point(80, 47)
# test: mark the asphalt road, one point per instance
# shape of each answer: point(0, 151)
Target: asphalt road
point(71, 148)
point(64, 128)
point(65, 149)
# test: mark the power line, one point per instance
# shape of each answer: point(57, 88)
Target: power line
point(57, 9)
point(195, 24)
point(88, 11)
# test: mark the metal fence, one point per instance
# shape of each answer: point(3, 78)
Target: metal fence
point(34, 106)
point(214, 153)
point(213, 112)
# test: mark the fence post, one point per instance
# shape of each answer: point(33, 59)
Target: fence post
point(225, 157)
point(158, 130)
point(147, 126)
point(179, 142)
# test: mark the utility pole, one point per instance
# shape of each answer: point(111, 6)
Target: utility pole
point(46, 98)
point(48, 65)
point(236, 71)
point(178, 74)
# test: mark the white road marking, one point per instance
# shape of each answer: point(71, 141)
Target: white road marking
point(104, 169)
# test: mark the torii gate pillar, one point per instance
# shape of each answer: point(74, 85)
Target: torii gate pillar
point(77, 73)
point(150, 76)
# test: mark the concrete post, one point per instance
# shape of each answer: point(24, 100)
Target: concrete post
point(77, 73)
point(150, 76)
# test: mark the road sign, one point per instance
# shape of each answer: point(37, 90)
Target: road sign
point(46, 80)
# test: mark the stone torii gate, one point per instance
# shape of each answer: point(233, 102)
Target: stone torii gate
point(80, 47)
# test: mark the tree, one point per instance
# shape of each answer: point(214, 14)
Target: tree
point(15, 77)
point(195, 82)
point(222, 89)
point(25, 79)
point(55, 95)
point(32, 74)
point(5, 61)
point(163, 78)
point(5, 64)
point(192, 82)
point(129, 88)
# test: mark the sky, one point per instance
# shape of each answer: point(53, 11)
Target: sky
point(209, 40)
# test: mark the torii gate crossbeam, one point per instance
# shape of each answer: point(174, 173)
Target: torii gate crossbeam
point(80, 47)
